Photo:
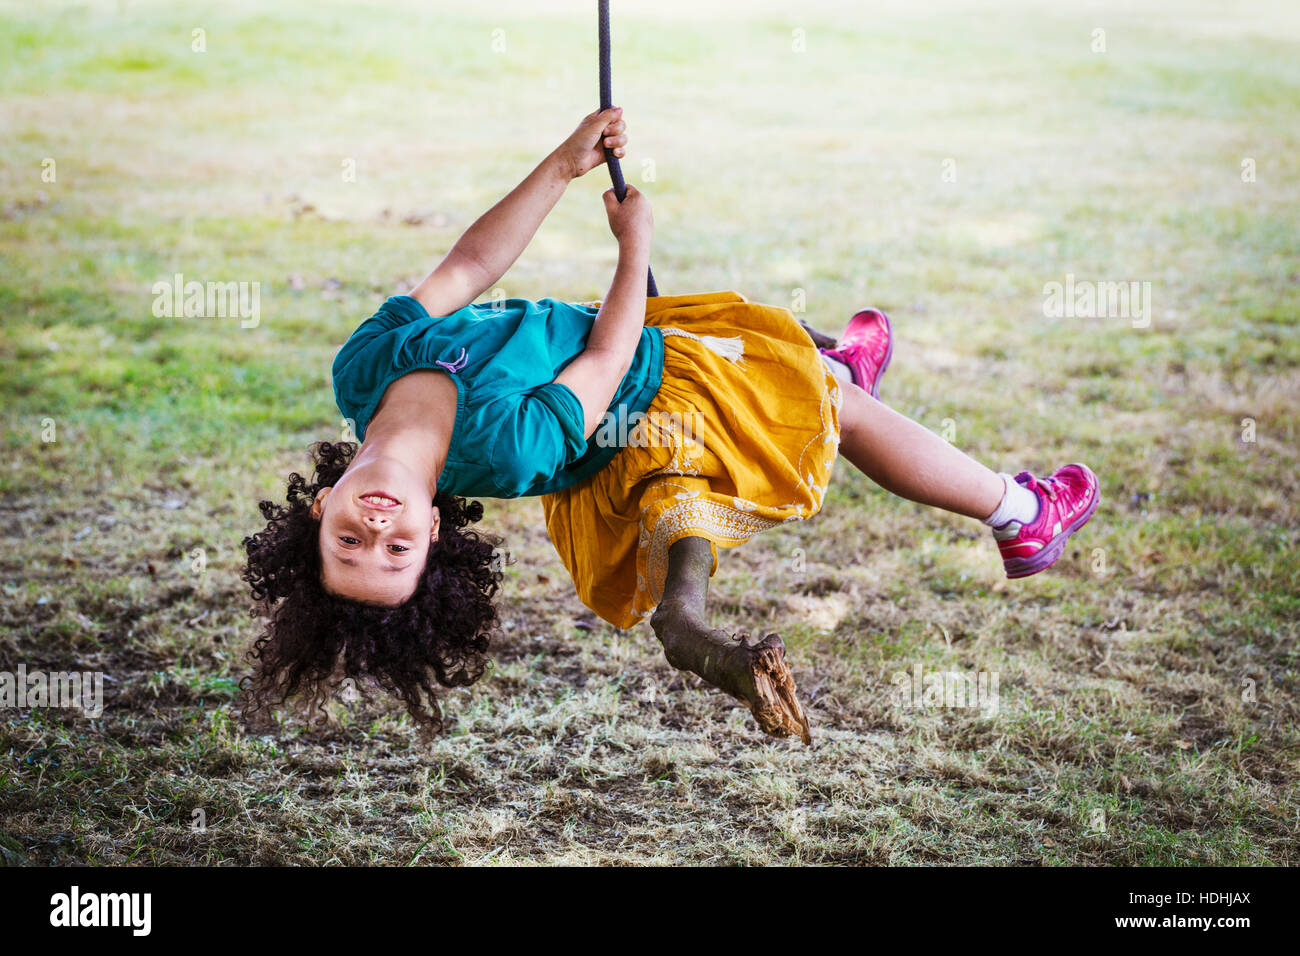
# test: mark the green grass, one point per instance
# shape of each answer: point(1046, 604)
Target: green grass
point(1149, 682)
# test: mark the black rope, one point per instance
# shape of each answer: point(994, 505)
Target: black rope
point(606, 101)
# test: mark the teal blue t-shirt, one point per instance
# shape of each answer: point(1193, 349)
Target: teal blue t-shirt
point(518, 432)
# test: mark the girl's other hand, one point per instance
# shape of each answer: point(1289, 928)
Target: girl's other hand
point(584, 150)
point(630, 221)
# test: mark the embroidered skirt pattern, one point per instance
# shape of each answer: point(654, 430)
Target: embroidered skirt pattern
point(741, 437)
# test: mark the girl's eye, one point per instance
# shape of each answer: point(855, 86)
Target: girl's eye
point(346, 540)
point(397, 548)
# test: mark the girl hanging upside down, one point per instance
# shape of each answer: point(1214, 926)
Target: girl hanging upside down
point(654, 430)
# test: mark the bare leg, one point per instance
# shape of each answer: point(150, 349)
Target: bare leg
point(753, 670)
point(820, 339)
point(911, 461)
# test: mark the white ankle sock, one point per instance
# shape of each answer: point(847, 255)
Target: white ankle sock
point(840, 370)
point(1018, 504)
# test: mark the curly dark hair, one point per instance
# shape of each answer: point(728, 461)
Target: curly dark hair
point(314, 639)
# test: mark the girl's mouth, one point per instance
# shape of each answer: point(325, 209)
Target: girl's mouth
point(380, 499)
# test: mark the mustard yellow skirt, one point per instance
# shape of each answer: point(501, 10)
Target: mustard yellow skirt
point(741, 437)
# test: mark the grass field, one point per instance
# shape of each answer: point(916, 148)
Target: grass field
point(944, 162)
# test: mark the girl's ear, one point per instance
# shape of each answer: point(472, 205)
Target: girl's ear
point(318, 503)
point(433, 527)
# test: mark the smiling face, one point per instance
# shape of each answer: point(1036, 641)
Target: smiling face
point(376, 525)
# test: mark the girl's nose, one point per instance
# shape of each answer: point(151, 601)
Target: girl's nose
point(376, 521)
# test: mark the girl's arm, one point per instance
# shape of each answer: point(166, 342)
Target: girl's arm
point(594, 376)
point(492, 244)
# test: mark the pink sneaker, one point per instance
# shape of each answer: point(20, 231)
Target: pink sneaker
point(866, 347)
point(1065, 503)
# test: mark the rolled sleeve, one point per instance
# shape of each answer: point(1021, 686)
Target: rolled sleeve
point(538, 439)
